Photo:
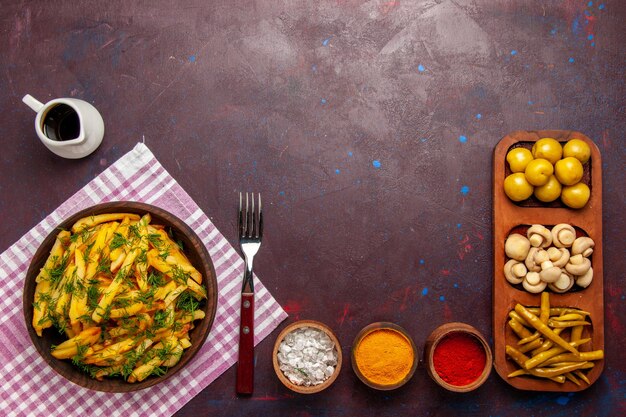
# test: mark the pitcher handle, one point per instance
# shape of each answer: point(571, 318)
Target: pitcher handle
point(32, 102)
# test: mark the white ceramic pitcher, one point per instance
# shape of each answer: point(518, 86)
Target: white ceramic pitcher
point(91, 127)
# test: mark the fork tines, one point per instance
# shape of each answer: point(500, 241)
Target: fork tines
point(250, 219)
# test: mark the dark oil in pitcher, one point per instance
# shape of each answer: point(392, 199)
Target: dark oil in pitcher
point(61, 123)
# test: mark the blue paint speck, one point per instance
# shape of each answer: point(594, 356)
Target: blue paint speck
point(323, 101)
point(553, 32)
point(530, 103)
point(376, 163)
point(456, 285)
point(590, 37)
point(192, 58)
point(314, 68)
point(590, 4)
point(337, 171)
point(593, 44)
point(281, 193)
point(562, 400)
point(423, 140)
point(465, 190)
point(601, 7)
point(513, 52)
point(425, 291)
point(349, 153)
point(479, 116)
point(462, 139)
point(325, 41)
point(421, 68)
point(587, 13)
point(575, 26)
point(422, 262)
point(458, 225)
point(442, 298)
point(571, 60)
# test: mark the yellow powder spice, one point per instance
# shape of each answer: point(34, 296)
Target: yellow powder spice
point(384, 356)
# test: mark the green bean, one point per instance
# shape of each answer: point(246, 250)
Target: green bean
point(572, 378)
point(519, 329)
point(577, 333)
point(550, 372)
point(582, 376)
point(562, 324)
point(557, 311)
point(530, 338)
point(550, 353)
point(582, 356)
point(544, 314)
point(545, 330)
point(513, 315)
point(568, 317)
point(546, 344)
point(559, 378)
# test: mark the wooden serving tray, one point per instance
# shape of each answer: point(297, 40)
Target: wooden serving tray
point(510, 217)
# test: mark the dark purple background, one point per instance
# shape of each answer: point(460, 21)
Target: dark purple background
point(369, 128)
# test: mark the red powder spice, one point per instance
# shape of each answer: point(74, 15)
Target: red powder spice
point(459, 359)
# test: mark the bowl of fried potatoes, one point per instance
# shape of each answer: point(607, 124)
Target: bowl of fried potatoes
point(120, 296)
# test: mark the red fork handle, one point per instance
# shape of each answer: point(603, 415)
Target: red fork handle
point(245, 366)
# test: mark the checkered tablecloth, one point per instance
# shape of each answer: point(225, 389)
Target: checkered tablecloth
point(29, 387)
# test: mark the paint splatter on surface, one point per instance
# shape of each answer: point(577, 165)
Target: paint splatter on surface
point(479, 116)
point(326, 41)
point(192, 58)
point(465, 190)
point(421, 68)
point(513, 52)
point(376, 163)
point(571, 60)
point(462, 138)
point(323, 101)
point(425, 291)
point(337, 171)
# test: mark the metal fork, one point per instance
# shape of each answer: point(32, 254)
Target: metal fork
point(250, 234)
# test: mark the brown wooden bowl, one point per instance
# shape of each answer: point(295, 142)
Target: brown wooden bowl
point(382, 325)
point(508, 216)
point(195, 251)
point(300, 388)
point(439, 334)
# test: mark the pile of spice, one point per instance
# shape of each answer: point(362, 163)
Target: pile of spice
point(459, 359)
point(384, 357)
point(307, 356)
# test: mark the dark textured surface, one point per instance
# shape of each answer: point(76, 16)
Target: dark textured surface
point(369, 128)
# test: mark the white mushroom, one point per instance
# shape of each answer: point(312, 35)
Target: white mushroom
point(541, 256)
point(514, 271)
point(516, 247)
point(563, 284)
point(533, 278)
point(578, 265)
point(530, 263)
point(563, 235)
point(546, 265)
point(583, 245)
point(534, 288)
point(585, 280)
point(551, 274)
point(539, 236)
point(558, 256)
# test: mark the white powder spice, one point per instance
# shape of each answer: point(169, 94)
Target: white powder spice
point(307, 356)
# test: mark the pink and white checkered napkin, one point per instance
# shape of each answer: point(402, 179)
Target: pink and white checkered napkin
point(29, 387)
